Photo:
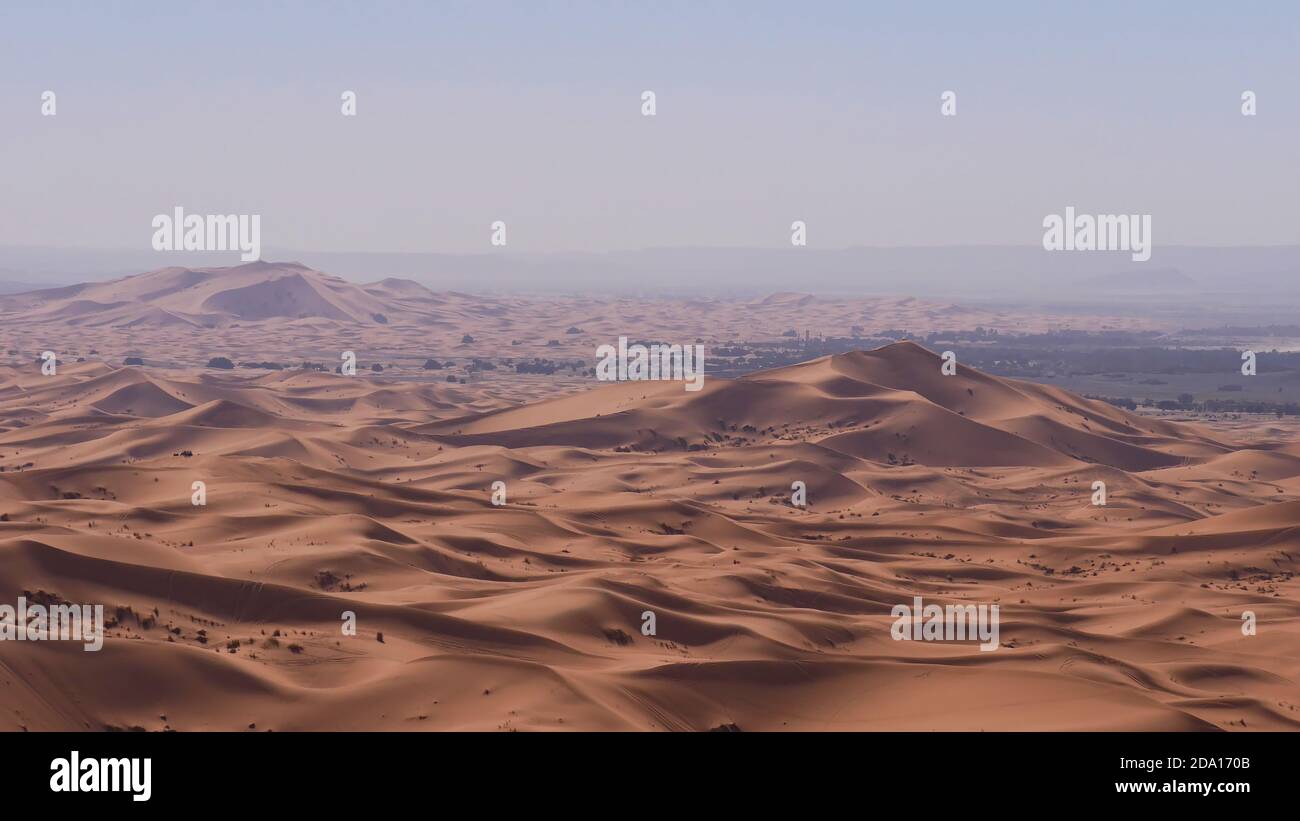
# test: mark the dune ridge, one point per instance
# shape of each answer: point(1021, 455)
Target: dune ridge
point(328, 494)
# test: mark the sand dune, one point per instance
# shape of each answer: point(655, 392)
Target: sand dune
point(328, 494)
point(252, 292)
point(890, 405)
point(285, 312)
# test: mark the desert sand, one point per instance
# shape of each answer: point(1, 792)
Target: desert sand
point(373, 494)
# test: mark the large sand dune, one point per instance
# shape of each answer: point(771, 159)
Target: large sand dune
point(286, 312)
point(328, 493)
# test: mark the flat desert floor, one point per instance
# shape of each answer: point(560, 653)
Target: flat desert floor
point(327, 494)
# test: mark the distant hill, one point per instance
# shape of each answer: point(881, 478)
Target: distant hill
point(210, 297)
point(944, 272)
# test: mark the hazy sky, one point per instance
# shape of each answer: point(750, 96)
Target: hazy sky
point(531, 113)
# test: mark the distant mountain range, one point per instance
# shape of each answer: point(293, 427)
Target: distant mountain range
point(215, 297)
point(1248, 273)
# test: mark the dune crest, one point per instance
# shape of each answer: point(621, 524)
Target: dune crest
point(327, 494)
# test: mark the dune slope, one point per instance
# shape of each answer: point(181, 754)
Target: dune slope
point(332, 500)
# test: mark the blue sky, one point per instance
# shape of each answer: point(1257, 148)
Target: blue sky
point(530, 113)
